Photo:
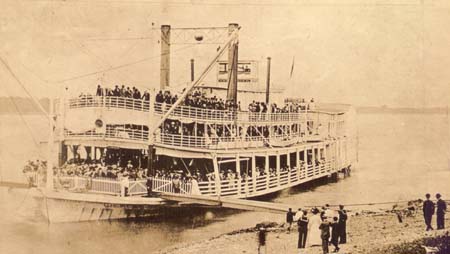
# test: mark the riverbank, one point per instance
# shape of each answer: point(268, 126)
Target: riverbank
point(368, 233)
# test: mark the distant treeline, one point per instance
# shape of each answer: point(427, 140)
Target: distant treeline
point(388, 110)
point(16, 105)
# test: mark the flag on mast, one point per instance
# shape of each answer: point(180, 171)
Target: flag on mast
point(292, 67)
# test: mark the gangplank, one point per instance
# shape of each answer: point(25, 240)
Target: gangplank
point(226, 202)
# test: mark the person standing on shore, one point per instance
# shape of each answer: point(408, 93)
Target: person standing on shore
point(302, 224)
point(428, 211)
point(440, 212)
point(290, 219)
point(342, 225)
point(262, 235)
point(313, 228)
point(325, 234)
point(335, 234)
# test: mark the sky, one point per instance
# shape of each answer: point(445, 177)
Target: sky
point(366, 52)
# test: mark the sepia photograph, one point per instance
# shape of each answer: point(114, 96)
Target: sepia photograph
point(224, 126)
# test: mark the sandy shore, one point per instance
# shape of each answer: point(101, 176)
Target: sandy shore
point(368, 232)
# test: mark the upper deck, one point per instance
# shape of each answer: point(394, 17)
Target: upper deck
point(190, 113)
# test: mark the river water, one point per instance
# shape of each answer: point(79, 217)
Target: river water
point(401, 157)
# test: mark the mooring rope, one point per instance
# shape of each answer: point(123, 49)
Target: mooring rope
point(371, 203)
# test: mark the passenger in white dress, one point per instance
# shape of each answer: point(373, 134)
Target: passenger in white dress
point(313, 229)
point(195, 190)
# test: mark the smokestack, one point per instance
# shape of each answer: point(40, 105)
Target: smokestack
point(165, 57)
point(192, 70)
point(268, 81)
point(232, 65)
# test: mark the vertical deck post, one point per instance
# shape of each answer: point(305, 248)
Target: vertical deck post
point(288, 163)
point(181, 134)
point(150, 167)
point(254, 171)
point(217, 176)
point(238, 173)
point(336, 148)
point(50, 144)
point(314, 159)
point(339, 166)
point(345, 150)
point(297, 163)
point(195, 129)
point(288, 159)
point(63, 153)
point(266, 170)
point(306, 161)
point(278, 168)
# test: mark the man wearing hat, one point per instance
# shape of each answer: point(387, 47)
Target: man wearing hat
point(440, 212)
point(289, 219)
point(342, 225)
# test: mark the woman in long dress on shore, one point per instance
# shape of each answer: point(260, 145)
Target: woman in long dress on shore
point(313, 229)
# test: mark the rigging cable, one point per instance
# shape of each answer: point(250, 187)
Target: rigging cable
point(30, 130)
point(119, 66)
point(5, 64)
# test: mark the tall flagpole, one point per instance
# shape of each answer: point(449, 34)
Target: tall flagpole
point(50, 145)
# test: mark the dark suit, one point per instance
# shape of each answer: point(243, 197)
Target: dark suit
point(325, 235)
point(428, 211)
point(302, 224)
point(440, 213)
point(290, 219)
point(335, 232)
point(342, 226)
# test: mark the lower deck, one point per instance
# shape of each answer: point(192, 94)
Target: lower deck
point(242, 174)
point(239, 188)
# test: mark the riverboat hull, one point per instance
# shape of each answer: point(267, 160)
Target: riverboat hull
point(64, 206)
point(60, 207)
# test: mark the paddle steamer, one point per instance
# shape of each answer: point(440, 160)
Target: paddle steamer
point(227, 153)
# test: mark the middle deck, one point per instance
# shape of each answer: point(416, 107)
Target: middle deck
point(126, 122)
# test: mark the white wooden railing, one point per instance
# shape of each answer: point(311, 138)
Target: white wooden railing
point(209, 142)
point(88, 101)
point(229, 115)
point(120, 132)
point(226, 142)
point(112, 186)
point(235, 187)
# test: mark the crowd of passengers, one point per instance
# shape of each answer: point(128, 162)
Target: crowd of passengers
point(33, 166)
point(289, 107)
point(98, 169)
point(197, 99)
point(125, 92)
point(174, 127)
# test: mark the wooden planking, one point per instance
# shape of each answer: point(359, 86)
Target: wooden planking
point(235, 203)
